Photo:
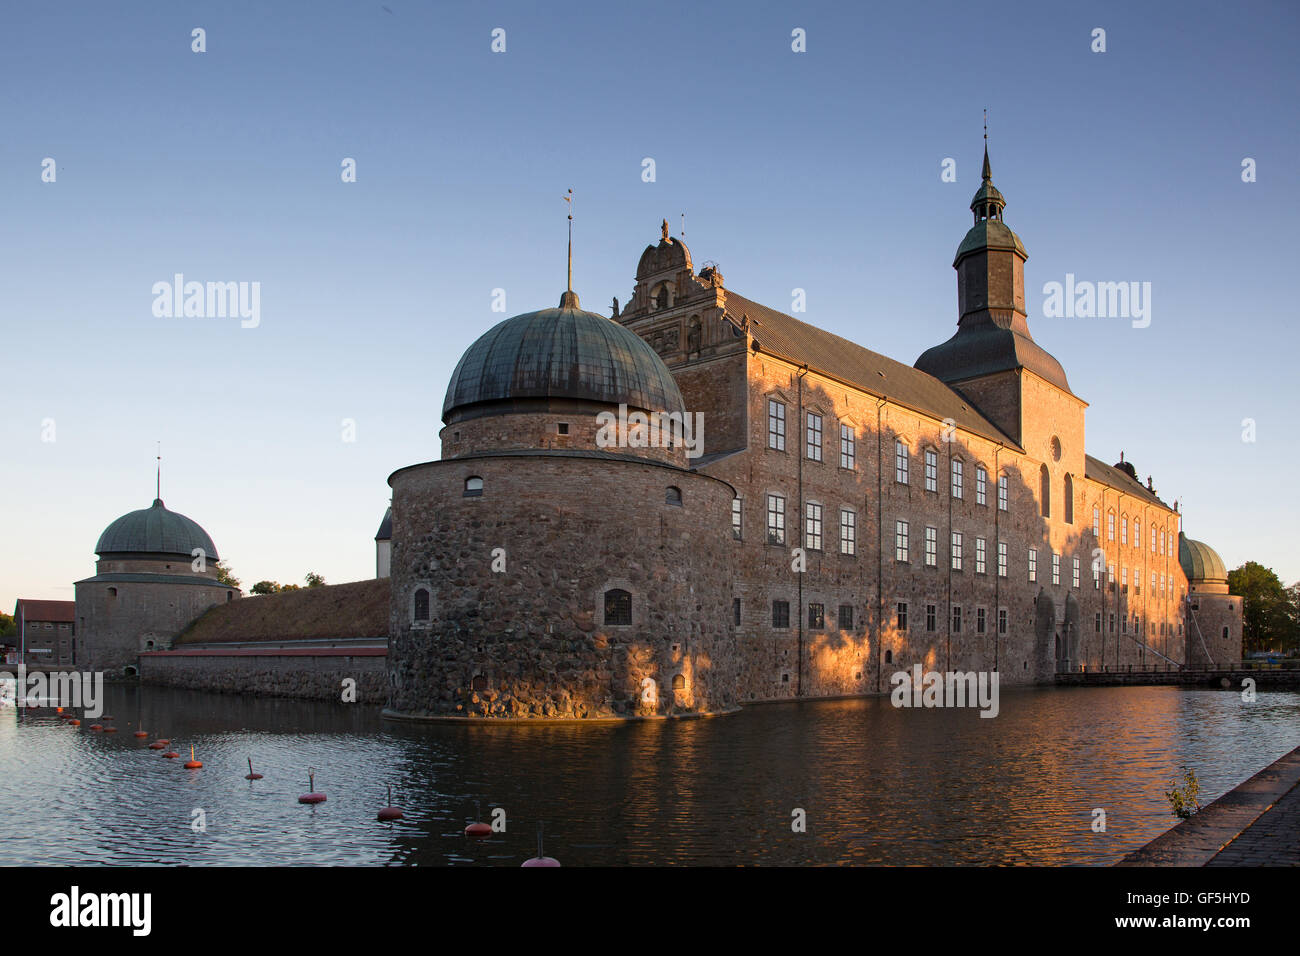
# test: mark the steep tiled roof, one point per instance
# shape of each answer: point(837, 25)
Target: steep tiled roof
point(847, 361)
point(44, 610)
point(1098, 470)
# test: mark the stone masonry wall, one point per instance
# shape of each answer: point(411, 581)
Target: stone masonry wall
point(308, 677)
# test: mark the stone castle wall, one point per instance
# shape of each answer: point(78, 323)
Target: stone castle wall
point(297, 674)
point(532, 640)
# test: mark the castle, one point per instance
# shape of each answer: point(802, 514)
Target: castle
point(847, 516)
point(839, 517)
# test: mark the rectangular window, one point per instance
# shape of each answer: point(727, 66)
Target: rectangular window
point(1056, 568)
point(814, 437)
point(981, 485)
point(900, 540)
point(1123, 530)
point(980, 555)
point(813, 526)
point(1112, 623)
point(1002, 494)
point(781, 614)
point(1033, 564)
point(958, 490)
point(735, 518)
point(1110, 526)
point(776, 519)
point(735, 611)
point(1002, 620)
point(1123, 579)
point(848, 532)
point(1098, 622)
point(1153, 582)
point(775, 424)
point(1162, 542)
point(979, 620)
point(846, 617)
point(816, 617)
point(848, 450)
point(930, 617)
point(1096, 522)
point(956, 618)
point(901, 621)
point(931, 547)
point(900, 462)
point(1096, 576)
point(1137, 534)
point(956, 550)
point(1074, 579)
point(1002, 559)
point(931, 470)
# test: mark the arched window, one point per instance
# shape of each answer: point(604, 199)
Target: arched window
point(1069, 499)
point(473, 486)
point(479, 682)
point(1225, 633)
point(420, 606)
point(889, 657)
point(679, 682)
point(1045, 491)
point(618, 607)
point(674, 495)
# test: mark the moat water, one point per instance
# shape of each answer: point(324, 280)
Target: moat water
point(877, 785)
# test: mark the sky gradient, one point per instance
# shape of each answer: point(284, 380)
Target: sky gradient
point(816, 170)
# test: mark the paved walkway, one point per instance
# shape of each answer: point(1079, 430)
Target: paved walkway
point(1272, 840)
point(1255, 824)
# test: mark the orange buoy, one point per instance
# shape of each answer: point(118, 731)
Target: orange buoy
point(164, 741)
point(477, 829)
point(540, 860)
point(110, 730)
point(157, 745)
point(193, 764)
point(250, 775)
point(390, 812)
point(311, 797)
point(141, 733)
point(107, 717)
point(170, 754)
point(96, 726)
point(74, 722)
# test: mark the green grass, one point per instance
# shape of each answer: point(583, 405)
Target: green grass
point(358, 609)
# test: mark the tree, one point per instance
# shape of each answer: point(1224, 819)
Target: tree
point(265, 587)
point(225, 577)
point(314, 580)
point(1268, 613)
point(7, 626)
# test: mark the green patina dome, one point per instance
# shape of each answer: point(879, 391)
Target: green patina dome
point(562, 353)
point(155, 530)
point(1200, 562)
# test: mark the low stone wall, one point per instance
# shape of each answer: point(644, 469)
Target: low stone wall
point(306, 673)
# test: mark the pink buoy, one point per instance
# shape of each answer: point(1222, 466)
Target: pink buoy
point(250, 775)
point(540, 860)
point(390, 812)
point(313, 797)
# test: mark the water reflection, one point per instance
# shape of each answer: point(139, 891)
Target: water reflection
point(878, 785)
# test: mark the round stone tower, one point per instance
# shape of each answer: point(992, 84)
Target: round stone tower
point(1213, 614)
point(561, 560)
point(157, 572)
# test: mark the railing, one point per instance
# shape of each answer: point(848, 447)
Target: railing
point(1176, 668)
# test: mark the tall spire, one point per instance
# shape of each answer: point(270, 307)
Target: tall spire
point(158, 488)
point(570, 299)
point(988, 172)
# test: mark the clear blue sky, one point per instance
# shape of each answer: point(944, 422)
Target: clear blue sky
point(818, 170)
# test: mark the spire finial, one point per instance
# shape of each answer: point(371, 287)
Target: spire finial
point(158, 490)
point(988, 172)
point(569, 200)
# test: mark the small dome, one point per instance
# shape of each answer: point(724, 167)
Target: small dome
point(155, 530)
point(1200, 562)
point(562, 353)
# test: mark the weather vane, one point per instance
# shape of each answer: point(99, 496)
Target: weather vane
point(569, 200)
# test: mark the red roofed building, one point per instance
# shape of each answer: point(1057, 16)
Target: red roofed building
point(46, 630)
